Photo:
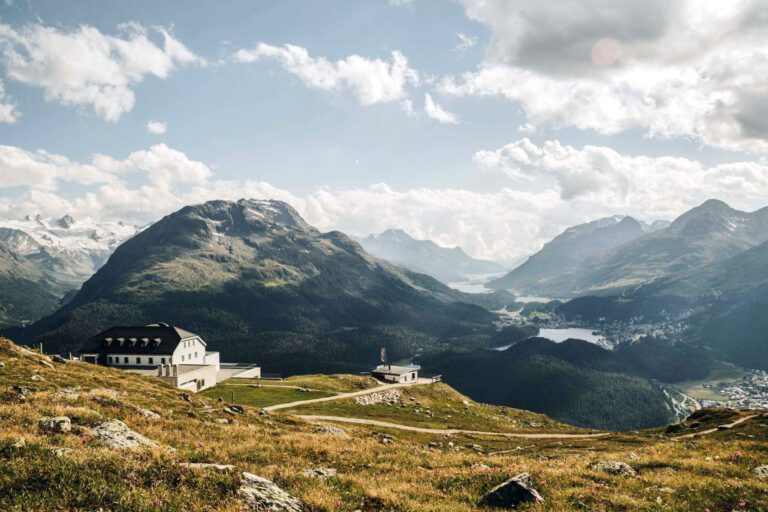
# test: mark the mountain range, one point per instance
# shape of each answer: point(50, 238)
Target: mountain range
point(260, 282)
point(551, 270)
point(448, 265)
point(42, 260)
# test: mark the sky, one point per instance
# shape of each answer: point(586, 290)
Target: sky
point(487, 124)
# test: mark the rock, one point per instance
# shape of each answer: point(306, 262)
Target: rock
point(727, 426)
point(259, 494)
point(37, 378)
point(58, 424)
point(515, 491)
point(58, 359)
point(222, 421)
point(481, 466)
point(24, 390)
point(45, 363)
point(433, 445)
point(21, 443)
point(320, 473)
point(186, 397)
point(475, 447)
point(13, 397)
point(147, 413)
point(386, 439)
point(66, 394)
point(761, 472)
point(389, 397)
point(2, 366)
point(239, 409)
point(62, 452)
point(331, 430)
point(220, 468)
point(116, 434)
point(614, 467)
point(104, 393)
point(633, 456)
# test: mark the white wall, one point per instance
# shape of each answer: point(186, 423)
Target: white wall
point(191, 351)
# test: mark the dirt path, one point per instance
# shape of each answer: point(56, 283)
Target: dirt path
point(713, 430)
point(447, 431)
point(341, 396)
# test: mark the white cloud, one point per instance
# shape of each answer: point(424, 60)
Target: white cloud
point(680, 68)
point(465, 43)
point(84, 67)
point(657, 187)
point(8, 112)
point(552, 186)
point(437, 112)
point(157, 127)
point(369, 80)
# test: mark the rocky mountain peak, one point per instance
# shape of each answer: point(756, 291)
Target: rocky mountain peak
point(65, 222)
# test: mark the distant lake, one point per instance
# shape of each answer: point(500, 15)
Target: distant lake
point(475, 284)
point(531, 298)
point(560, 335)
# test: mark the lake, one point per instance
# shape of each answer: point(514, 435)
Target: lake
point(475, 283)
point(560, 335)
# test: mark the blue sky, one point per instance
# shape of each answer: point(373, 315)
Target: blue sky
point(547, 116)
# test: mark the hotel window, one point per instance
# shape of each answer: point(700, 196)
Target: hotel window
point(182, 358)
point(138, 360)
point(125, 359)
point(109, 359)
point(151, 360)
point(162, 360)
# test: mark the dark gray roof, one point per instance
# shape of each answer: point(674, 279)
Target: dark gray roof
point(395, 370)
point(150, 339)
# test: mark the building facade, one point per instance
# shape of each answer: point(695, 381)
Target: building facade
point(396, 374)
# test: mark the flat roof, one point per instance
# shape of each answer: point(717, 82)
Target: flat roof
point(395, 370)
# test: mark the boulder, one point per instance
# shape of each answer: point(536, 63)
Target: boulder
point(761, 472)
point(515, 491)
point(66, 394)
point(320, 473)
point(58, 424)
point(62, 452)
point(614, 467)
point(37, 378)
point(58, 359)
point(147, 413)
point(259, 494)
point(331, 430)
point(116, 434)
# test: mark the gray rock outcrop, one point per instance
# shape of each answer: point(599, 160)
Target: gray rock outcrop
point(517, 490)
point(259, 494)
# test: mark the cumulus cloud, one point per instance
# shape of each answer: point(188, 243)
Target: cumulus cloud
point(680, 68)
point(552, 186)
point(437, 112)
point(157, 127)
point(659, 187)
point(84, 67)
point(368, 80)
point(8, 112)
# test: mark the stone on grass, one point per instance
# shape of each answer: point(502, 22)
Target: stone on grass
point(614, 467)
point(116, 434)
point(58, 424)
point(66, 394)
point(761, 472)
point(259, 494)
point(517, 490)
point(147, 413)
point(62, 452)
point(222, 421)
point(58, 359)
point(331, 430)
point(320, 473)
point(37, 378)
point(21, 443)
point(220, 468)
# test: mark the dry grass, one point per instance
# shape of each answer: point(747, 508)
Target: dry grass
point(712, 472)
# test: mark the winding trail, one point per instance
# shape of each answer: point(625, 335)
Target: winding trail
point(713, 430)
point(341, 396)
point(447, 431)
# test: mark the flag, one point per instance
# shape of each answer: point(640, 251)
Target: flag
point(383, 355)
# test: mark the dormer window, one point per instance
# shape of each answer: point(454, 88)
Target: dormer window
point(107, 342)
point(121, 341)
point(133, 341)
point(144, 342)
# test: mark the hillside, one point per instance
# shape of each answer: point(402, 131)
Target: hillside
point(81, 468)
point(260, 284)
point(575, 381)
point(426, 257)
point(549, 271)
